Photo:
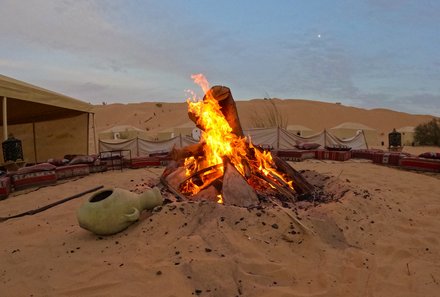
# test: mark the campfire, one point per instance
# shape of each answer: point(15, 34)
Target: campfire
point(225, 166)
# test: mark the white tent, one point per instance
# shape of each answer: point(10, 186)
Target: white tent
point(348, 130)
point(407, 133)
point(123, 132)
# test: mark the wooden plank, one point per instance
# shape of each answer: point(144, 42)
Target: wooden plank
point(235, 190)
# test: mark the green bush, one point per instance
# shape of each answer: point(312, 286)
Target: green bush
point(428, 133)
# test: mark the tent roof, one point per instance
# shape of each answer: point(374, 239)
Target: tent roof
point(298, 128)
point(28, 103)
point(354, 126)
point(406, 129)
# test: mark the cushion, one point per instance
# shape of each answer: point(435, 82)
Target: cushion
point(58, 162)
point(36, 168)
point(82, 160)
point(430, 155)
point(307, 146)
point(338, 147)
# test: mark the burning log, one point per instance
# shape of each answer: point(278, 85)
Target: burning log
point(283, 190)
point(236, 191)
point(228, 108)
point(209, 194)
point(194, 150)
point(302, 186)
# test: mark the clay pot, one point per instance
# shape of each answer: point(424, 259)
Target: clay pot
point(110, 211)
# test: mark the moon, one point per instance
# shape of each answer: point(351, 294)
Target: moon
point(319, 35)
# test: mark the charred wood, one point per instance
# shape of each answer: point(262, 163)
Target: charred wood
point(300, 184)
point(236, 191)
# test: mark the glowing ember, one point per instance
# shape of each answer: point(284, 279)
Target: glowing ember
point(221, 143)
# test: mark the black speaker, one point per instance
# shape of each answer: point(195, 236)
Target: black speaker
point(12, 149)
point(394, 138)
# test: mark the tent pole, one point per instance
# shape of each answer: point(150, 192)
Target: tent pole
point(5, 118)
point(94, 132)
point(88, 134)
point(366, 143)
point(325, 137)
point(278, 138)
point(35, 142)
point(180, 139)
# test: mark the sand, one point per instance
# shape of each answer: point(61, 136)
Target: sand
point(377, 236)
point(381, 238)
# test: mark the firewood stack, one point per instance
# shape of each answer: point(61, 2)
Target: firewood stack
point(242, 177)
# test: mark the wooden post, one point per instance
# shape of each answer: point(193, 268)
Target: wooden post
point(88, 135)
point(94, 133)
point(366, 143)
point(5, 118)
point(278, 138)
point(35, 142)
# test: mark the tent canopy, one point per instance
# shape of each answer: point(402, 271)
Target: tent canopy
point(28, 103)
point(49, 124)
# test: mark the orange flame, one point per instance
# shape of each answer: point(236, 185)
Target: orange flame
point(220, 142)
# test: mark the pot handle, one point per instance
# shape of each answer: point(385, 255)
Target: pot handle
point(134, 216)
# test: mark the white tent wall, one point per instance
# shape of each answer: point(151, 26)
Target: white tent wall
point(263, 136)
point(122, 144)
point(283, 139)
point(276, 138)
point(288, 139)
point(356, 142)
point(344, 133)
point(147, 147)
point(143, 147)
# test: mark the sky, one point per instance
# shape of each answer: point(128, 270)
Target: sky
point(366, 53)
